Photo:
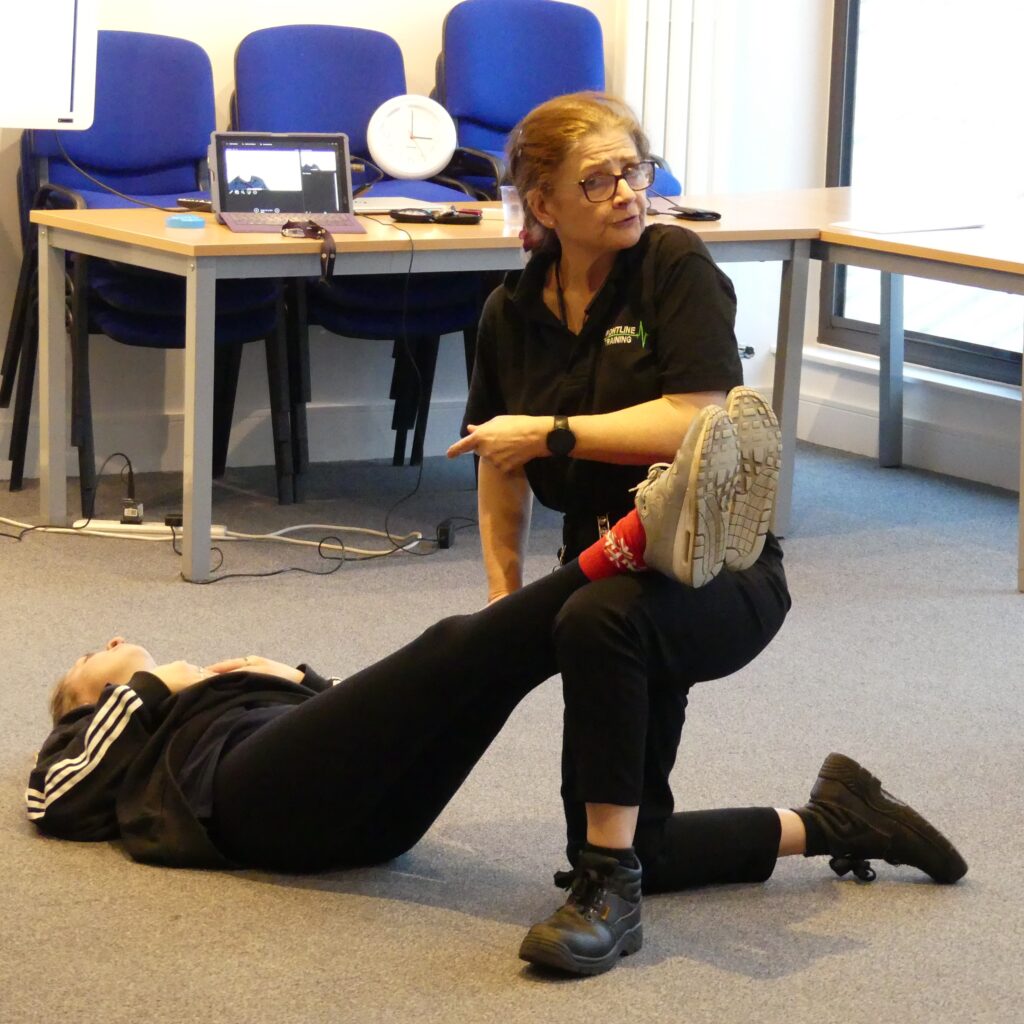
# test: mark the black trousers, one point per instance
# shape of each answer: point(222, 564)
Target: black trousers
point(629, 648)
point(359, 773)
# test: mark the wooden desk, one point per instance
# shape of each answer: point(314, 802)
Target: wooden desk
point(202, 256)
point(990, 257)
point(776, 226)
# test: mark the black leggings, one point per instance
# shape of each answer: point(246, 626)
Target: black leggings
point(358, 774)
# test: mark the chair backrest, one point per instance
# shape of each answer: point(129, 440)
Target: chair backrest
point(500, 58)
point(315, 78)
point(155, 110)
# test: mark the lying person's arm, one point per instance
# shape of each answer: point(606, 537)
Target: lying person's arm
point(265, 666)
point(72, 790)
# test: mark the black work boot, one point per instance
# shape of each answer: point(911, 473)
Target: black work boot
point(599, 923)
point(852, 818)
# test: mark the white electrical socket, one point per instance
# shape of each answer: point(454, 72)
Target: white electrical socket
point(138, 529)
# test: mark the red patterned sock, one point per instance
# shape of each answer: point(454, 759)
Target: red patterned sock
point(621, 549)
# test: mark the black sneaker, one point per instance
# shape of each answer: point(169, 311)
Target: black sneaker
point(860, 820)
point(599, 923)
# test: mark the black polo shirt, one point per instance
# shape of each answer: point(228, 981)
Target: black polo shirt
point(662, 323)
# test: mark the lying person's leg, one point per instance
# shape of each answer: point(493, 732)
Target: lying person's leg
point(311, 789)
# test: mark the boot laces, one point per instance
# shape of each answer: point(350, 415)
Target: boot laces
point(861, 868)
point(587, 889)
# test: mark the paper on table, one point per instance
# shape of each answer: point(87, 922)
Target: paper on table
point(893, 216)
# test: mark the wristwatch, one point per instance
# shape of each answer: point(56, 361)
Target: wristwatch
point(561, 440)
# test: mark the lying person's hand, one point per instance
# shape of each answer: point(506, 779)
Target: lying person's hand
point(254, 663)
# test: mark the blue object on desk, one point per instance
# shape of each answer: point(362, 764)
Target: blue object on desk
point(185, 220)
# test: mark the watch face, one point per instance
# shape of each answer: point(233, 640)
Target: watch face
point(561, 441)
point(411, 137)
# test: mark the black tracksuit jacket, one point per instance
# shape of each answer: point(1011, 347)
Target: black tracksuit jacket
point(110, 770)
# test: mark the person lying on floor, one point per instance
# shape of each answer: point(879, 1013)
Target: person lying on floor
point(252, 763)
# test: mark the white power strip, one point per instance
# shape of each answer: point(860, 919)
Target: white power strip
point(138, 529)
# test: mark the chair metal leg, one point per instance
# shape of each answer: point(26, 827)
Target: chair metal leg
point(469, 346)
point(227, 362)
point(403, 391)
point(299, 381)
point(280, 412)
point(426, 363)
point(82, 401)
point(23, 401)
point(81, 393)
point(23, 299)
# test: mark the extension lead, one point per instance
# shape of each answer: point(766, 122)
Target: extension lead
point(160, 532)
point(155, 531)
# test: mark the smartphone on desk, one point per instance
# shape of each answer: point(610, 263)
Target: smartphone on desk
point(417, 215)
point(693, 213)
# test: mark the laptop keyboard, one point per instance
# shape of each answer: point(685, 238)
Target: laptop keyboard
point(330, 221)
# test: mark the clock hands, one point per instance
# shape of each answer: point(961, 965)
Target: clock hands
point(412, 128)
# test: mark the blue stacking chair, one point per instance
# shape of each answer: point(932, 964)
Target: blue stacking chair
point(501, 58)
point(330, 78)
point(153, 118)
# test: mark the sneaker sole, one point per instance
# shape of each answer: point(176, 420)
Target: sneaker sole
point(697, 548)
point(944, 863)
point(760, 443)
point(547, 953)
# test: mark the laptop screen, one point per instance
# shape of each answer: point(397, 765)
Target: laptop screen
point(267, 173)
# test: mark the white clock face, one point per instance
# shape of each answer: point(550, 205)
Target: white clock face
point(411, 137)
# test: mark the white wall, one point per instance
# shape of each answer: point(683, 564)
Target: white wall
point(758, 111)
point(350, 414)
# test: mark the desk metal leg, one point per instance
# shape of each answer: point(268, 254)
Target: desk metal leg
point(53, 469)
point(200, 297)
point(788, 360)
point(890, 372)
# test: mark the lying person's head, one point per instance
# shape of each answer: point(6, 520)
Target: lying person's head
point(83, 683)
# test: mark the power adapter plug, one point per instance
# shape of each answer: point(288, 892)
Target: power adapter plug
point(131, 511)
point(445, 534)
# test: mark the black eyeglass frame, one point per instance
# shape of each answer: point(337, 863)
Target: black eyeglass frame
point(616, 178)
point(310, 229)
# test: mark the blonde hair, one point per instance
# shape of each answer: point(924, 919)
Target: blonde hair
point(540, 143)
point(62, 698)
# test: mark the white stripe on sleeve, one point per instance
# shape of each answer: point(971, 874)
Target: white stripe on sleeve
point(63, 776)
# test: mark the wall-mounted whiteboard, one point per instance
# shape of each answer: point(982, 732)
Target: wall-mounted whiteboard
point(48, 64)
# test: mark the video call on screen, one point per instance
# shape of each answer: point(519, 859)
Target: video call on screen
point(266, 180)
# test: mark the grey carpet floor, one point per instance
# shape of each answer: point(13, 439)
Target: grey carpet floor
point(903, 650)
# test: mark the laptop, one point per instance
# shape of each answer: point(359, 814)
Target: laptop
point(261, 180)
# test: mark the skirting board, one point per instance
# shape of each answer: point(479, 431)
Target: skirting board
point(983, 454)
point(337, 433)
point(987, 452)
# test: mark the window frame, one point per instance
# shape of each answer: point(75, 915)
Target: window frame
point(933, 351)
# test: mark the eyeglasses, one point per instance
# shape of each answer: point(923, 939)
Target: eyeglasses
point(310, 229)
point(600, 187)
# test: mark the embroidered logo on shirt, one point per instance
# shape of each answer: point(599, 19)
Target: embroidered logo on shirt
point(626, 334)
